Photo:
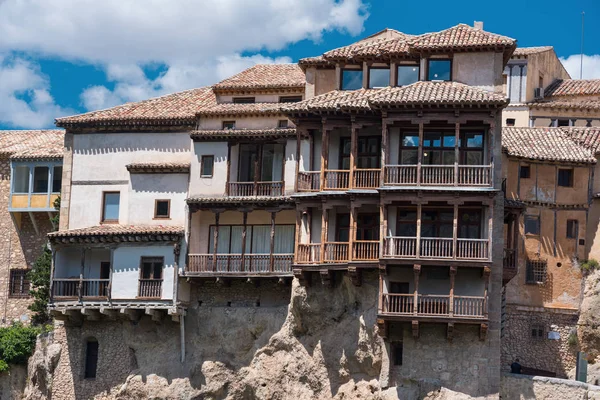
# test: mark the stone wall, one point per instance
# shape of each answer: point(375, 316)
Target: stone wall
point(12, 384)
point(555, 356)
point(527, 387)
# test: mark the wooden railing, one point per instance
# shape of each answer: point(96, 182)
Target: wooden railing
point(366, 178)
point(232, 263)
point(510, 259)
point(400, 175)
point(434, 305)
point(398, 303)
point(336, 252)
point(400, 246)
point(249, 189)
point(337, 179)
point(150, 288)
point(309, 253)
point(309, 181)
point(437, 247)
point(472, 249)
point(469, 306)
point(437, 175)
point(97, 288)
point(65, 287)
point(365, 250)
point(474, 175)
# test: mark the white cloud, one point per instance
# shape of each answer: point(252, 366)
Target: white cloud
point(199, 42)
point(25, 99)
point(591, 66)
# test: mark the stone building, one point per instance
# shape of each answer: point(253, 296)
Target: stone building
point(314, 230)
point(30, 180)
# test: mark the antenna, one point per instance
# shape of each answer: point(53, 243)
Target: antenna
point(581, 55)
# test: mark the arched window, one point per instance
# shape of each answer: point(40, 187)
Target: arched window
point(91, 358)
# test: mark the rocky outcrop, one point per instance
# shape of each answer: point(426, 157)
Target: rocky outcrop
point(41, 368)
point(588, 327)
point(12, 383)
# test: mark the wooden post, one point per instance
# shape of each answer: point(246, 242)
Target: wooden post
point(324, 228)
point(384, 156)
point(298, 231)
point(244, 222)
point(216, 243)
point(353, 154)
point(297, 161)
point(417, 272)
point(456, 154)
point(110, 272)
point(257, 164)
point(491, 140)
point(455, 230)
point(81, 273)
point(176, 250)
point(420, 154)
point(380, 299)
point(352, 233)
point(490, 229)
point(272, 248)
point(52, 263)
point(382, 225)
point(419, 209)
point(486, 275)
point(324, 155)
point(281, 192)
point(228, 169)
point(453, 270)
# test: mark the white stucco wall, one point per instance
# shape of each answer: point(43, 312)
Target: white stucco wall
point(481, 69)
point(214, 186)
point(145, 189)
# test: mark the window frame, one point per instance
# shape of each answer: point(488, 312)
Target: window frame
point(48, 182)
point(24, 283)
point(388, 68)
point(512, 123)
point(571, 178)
point(54, 174)
point(538, 224)
point(536, 272)
point(13, 178)
point(522, 169)
point(429, 60)
point(572, 227)
point(397, 347)
point(103, 219)
point(540, 332)
point(156, 216)
point(244, 100)
point(152, 260)
point(342, 70)
point(249, 236)
point(224, 123)
point(203, 161)
point(289, 99)
point(93, 373)
point(398, 66)
point(359, 155)
point(283, 124)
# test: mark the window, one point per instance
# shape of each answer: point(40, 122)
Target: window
point(228, 124)
point(368, 152)
point(151, 277)
point(268, 157)
point(352, 79)
point(439, 70)
point(243, 100)
point(19, 283)
point(438, 148)
point(565, 177)
point(399, 288)
point(437, 222)
point(537, 332)
point(396, 353)
point(290, 99)
point(258, 240)
point(524, 171)
point(282, 123)
point(21, 179)
point(207, 164)
point(162, 208)
point(367, 227)
point(407, 74)
point(572, 229)
point(437, 273)
point(56, 179)
point(536, 271)
point(379, 77)
point(110, 206)
point(406, 224)
point(562, 122)
point(471, 148)
point(510, 122)
point(409, 148)
point(469, 223)
point(40, 179)
point(541, 81)
point(91, 358)
point(532, 224)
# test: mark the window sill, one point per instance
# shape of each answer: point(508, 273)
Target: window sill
point(161, 218)
point(110, 222)
point(206, 176)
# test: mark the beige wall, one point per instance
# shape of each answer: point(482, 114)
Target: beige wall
point(519, 113)
point(548, 65)
point(482, 70)
point(243, 122)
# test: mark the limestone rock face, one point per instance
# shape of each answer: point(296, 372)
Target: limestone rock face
point(588, 327)
point(41, 367)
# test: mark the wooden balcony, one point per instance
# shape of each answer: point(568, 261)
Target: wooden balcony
point(365, 250)
point(336, 252)
point(76, 288)
point(427, 305)
point(366, 178)
point(150, 288)
point(255, 189)
point(400, 175)
point(309, 253)
point(510, 259)
point(337, 179)
point(438, 175)
point(436, 248)
point(309, 181)
point(232, 264)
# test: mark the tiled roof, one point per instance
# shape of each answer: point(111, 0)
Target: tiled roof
point(159, 168)
point(176, 108)
point(199, 202)
point(222, 109)
point(460, 37)
point(544, 144)
point(265, 76)
point(334, 101)
point(377, 48)
point(437, 93)
point(318, 61)
point(559, 103)
point(573, 87)
point(220, 134)
point(526, 51)
point(587, 137)
point(32, 144)
point(512, 203)
point(118, 233)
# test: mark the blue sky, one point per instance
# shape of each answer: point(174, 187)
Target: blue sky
point(61, 58)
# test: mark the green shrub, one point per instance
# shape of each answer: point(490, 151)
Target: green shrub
point(17, 343)
point(572, 339)
point(589, 265)
point(4, 367)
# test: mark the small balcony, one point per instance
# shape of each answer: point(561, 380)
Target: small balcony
point(309, 181)
point(337, 179)
point(426, 305)
point(235, 264)
point(255, 189)
point(367, 178)
point(438, 175)
point(436, 248)
point(81, 289)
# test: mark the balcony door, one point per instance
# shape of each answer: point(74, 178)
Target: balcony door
point(438, 148)
point(367, 227)
point(268, 157)
point(368, 152)
point(437, 222)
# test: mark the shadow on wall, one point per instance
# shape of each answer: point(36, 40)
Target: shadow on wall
point(159, 183)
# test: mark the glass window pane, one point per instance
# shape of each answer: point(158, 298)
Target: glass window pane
point(449, 140)
point(408, 74)
point(474, 158)
point(111, 206)
point(448, 157)
point(284, 239)
point(432, 157)
point(261, 239)
point(410, 140)
point(432, 139)
point(56, 179)
point(21, 179)
point(352, 79)
point(379, 77)
point(207, 165)
point(248, 154)
point(474, 140)
point(407, 215)
point(439, 70)
point(40, 179)
point(408, 157)
point(346, 146)
point(409, 230)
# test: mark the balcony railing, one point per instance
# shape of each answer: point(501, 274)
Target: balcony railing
point(337, 179)
point(309, 181)
point(150, 288)
point(474, 175)
point(365, 250)
point(90, 288)
point(442, 248)
point(309, 253)
point(366, 178)
point(249, 189)
point(400, 175)
point(434, 305)
point(336, 252)
point(438, 175)
point(232, 263)
point(510, 259)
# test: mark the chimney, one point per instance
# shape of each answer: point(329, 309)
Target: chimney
point(478, 25)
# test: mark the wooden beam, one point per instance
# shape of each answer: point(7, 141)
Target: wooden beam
point(450, 331)
point(382, 327)
point(244, 227)
point(384, 152)
point(455, 231)
point(215, 241)
point(326, 277)
point(415, 328)
point(456, 154)
point(157, 315)
point(420, 153)
point(272, 246)
point(90, 314)
point(82, 267)
point(34, 223)
point(228, 179)
point(353, 154)
point(453, 270)
point(352, 233)
point(132, 314)
point(109, 313)
point(324, 227)
point(483, 328)
point(416, 272)
point(355, 275)
point(324, 154)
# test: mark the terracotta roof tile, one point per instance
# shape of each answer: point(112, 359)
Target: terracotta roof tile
point(573, 87)
point(158, 168)
point(265, 76)
point(32, 144)
point(559, 103)
point(208, 134)
point(526, 51)
point(460, 37)
point(587, 137)
point(544, 144)
point(334, 101)
point(317, 61)
point(174, 108)
point(241, 109)
point(118, 230)
point(377, 48)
